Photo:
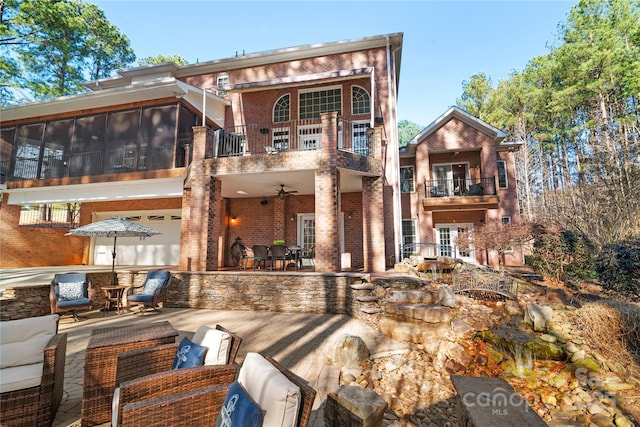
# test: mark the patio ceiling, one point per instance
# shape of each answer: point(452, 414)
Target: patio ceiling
point(268, 184)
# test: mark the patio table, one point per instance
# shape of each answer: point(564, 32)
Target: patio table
point(101, 359)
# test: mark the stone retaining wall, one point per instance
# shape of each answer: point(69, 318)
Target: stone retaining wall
point(288, 292)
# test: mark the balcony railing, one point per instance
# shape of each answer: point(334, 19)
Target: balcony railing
point(294, 135)
point(460, 187)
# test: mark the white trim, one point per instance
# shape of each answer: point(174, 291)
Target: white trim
point(320, 88)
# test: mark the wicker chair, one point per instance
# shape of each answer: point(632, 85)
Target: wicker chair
point(152, 291)
point(70, 292)
point(189, 399)
point(37, 405)
point(143, 364)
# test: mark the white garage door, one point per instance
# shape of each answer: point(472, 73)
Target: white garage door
point(161, 249)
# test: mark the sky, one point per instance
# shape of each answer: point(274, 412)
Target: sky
point(445, 42)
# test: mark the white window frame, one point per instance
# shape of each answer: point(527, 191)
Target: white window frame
point(504, 175)
point(366, 103)
point(402, 180)
point(318, 89)
point(222, 80)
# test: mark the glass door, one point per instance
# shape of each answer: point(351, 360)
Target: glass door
point(447, 239)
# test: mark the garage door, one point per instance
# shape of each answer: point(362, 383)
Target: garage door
point(161, 249)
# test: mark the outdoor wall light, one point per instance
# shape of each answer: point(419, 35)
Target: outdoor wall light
point(293, 218)
point(233, 218)
point(350, 214)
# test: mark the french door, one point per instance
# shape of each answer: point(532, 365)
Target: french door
point(447, 236)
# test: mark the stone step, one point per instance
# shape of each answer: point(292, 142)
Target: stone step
point(372, 310)
point(414, 332)
point(429, 313)
point(411, 296)
point(367, 298)
point(362, 287)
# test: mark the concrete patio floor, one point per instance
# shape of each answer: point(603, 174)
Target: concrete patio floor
point(298, 341)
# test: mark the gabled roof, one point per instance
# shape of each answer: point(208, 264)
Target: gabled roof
point(295, 53)
point(463, 116)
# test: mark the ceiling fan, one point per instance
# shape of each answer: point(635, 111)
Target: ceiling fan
point(282, 193)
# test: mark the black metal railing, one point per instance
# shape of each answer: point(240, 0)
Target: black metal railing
point(293, 135)
point(460, 187)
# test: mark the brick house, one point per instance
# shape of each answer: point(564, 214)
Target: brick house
point(296, 144)
point(457, 174)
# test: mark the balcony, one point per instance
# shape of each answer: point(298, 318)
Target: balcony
point(294, 135)
point(443, 194)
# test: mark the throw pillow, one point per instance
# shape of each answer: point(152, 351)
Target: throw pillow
point(218, 342)
point(151, 285)
point(188, 355)
point(68, 291)
point(239, 409)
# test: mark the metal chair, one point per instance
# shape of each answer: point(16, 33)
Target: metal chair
point(308, 254)
point(154, 291)
point(260, 255)
point(279, 253)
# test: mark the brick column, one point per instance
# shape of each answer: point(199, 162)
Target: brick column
point(214, 220)
point(278, 219)
point(373, 226)
point(327, 200)
point(196, 200)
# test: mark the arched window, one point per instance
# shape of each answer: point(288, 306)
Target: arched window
point(281, 109)
point(360, 103)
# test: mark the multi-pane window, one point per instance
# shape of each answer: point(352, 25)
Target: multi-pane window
point(281, 109)
point(409, 238)
point(506, 220)
point(502, 174)
point(360, 103)
point(221, 81)
point(312, 104)
point(406, 179)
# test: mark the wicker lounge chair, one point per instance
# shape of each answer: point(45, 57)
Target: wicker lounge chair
point(35, 404)
point(188, 399)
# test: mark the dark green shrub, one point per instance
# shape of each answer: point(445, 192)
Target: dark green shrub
point(618, 267)
point(562, 254)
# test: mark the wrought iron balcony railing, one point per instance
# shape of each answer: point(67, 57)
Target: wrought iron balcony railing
point(460, 187)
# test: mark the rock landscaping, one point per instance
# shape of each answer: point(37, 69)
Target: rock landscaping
point(533, 341)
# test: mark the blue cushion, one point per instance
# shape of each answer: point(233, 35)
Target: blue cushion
point(68, 291)
point(73, 302)
point(151, 285)
point(189, 355)
point(140, 298)
point(239, 409)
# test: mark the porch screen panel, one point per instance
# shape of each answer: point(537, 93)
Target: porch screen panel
point(87, 145)
point(186, 122)
point(28, 141)
point(157, 137)
point(121, 148)
point(55, 153)
point(7, 137)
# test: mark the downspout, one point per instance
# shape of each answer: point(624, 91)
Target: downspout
point(393, 132)
point(373, 97)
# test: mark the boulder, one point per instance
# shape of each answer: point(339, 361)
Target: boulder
point(347, 350)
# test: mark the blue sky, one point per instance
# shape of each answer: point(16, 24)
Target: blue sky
point(445, 42)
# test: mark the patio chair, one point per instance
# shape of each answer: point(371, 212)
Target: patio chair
point(308, 254)
point(152, 292)
point(33, 362)
point(282, 397)
point(260, 255)
point(141, 366)
point(70, 292)
point(279, 253)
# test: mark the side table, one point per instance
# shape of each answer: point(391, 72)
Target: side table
point(113, 296)
point(101, 359)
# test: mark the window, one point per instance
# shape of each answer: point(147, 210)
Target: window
point(506, 220)
point(222, 80)
point(502, 174)
point(281, 109)
point(50, 215)
point(406, 179)
point(312, 104)
point(360, 142)
point(409, 238)
point(360, 103)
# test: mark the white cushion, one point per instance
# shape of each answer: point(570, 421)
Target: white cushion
point(24, 352)
point(114, 406)
point(278, 397)
point(22, 329)
point(218, 342)
point(20, 377)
